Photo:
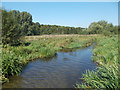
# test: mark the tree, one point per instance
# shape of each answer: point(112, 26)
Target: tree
point(10, 29)
point(102, 27)
point(15, 24)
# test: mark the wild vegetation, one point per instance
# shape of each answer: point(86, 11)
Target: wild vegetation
point(107, 73)
point(19, 47)
point(14, 58)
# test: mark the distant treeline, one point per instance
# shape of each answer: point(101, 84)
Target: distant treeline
point(16, 24)
point(24, 23)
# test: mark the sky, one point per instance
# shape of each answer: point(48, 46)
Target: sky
point(60, 0)
point(74, 14)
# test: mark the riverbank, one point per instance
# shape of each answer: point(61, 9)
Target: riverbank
point(15, 58)
point(65, 68)
point(107, 74)
point(105, 54)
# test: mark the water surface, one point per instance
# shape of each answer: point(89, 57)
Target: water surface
point(61, 71)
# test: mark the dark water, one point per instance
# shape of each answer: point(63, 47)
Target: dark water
point(62, 71)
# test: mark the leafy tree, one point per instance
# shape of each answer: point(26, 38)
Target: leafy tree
point(34, 29)
point(102, 27)
point(14, 25)
point(10, 29)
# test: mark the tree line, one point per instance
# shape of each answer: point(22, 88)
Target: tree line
point(16, 24)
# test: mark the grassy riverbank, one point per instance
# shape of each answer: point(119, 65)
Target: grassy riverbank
point(14, 58)
point(106, 55)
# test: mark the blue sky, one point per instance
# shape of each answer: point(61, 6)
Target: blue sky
point(77, 14)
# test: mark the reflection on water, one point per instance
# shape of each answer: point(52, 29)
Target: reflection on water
point(61, 71)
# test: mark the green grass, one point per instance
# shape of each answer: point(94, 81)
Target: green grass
point(14, 58)
point(106, 75)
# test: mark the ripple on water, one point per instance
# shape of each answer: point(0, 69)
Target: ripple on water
point(62, 71)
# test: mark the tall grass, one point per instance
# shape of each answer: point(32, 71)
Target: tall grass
point(106, 76)
point(14, 58)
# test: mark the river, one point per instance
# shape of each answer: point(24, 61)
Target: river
point(61, 71)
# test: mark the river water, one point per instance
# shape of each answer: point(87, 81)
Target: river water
point(61, 71)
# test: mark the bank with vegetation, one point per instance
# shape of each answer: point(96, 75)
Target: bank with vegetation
point(18, 48)
point(15, 58)
point(105, 54)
